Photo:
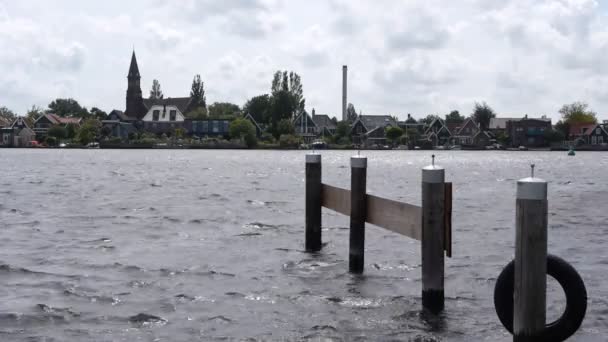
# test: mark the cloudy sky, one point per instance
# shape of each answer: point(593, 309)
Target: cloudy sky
point(411, 56)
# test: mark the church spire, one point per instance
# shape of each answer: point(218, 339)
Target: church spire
point(134, 69)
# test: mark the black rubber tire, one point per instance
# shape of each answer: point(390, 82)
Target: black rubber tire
point(570, 281)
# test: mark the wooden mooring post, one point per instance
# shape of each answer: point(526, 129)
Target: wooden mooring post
point(358, 214)
point(430, 224)
point(433, 237)
point(313, 202)
point(529, 311)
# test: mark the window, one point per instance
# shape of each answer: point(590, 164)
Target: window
point(172, 115)
point(164, 113)
point(155, 115)
point(593, 140)
point(216, 127)
point(205, 126)
point(226, 125)
point(194, 126)
point(600, 140)
point(542, 129)
point(598, 130)
point(519, 129)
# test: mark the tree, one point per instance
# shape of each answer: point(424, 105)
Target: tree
point(243, 129)
point(98, 113)
point(33, 114)
point(428, 119)
point(290, 83)
point(259, 107)
point(89, 131)
point(554, 136)
point(284, 126)
point(281, 109)
point(70, 131)
point(577, 113)
point(393, 133)
point(342, 130)
point(455, 117)
point(223, 109)
point(563, 127)
point(57, 132)
point(197, 93)
point(7, 114)
point(503, 139)
point(68, 108)
point(351, 113)
point(199, 113)
point(155, 92)
point(483, 114)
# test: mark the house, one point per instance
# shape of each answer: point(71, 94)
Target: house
point(305, 127)
point(46, 121)
point(580, 132)
point(437, 133)
point(119, 115)
point(207, 127)
point(163, 117)
point(18, 134)
point(498, 126)
point(325, 125)
point(465, 135)
point(258, 128)
point(529, 132)
point(482, 139)
point(598, 135)
point(371, 129)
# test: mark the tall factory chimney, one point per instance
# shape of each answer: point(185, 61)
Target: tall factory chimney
point(344, 91)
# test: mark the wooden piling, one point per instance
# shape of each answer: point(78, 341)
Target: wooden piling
point(433, 235)
point(358, 210)
point(313, 203)
point(529, 311)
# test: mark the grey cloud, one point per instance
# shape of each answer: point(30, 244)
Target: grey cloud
point(419, 30)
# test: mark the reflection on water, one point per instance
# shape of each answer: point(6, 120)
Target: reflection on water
point(188, 245)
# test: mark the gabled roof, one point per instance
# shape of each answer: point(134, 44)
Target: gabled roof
point(309, 118)
point(252, 119)
point(20, 123)
point(121, 115)
point(372, 121)
point(60, 120)
point(581, 129)
point(592, 130)
point(323, 121)
point(443, 126)
point(182, 103)
point(467, 122)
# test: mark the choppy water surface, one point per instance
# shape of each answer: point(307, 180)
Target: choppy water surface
point(100, 245)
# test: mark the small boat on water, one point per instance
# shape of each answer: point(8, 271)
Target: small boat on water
point(319, 145)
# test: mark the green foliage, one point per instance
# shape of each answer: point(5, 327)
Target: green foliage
point(243, 129)
point(289, 141)
point(57, 132)
point(351, 113)
point(51, 141)
point(578, 113)
point(199, 113)
point(70, 131)
point(155, 92)
point(455, 117)
point(343, 129)
point(223, 110)
point(68, 108)
point(259, 107)
point(282, 108)
point(563, 127)
point(284, 127)
point(393, 133)
point(482, 114)
point(89, 131)
point(554, 136)
point(7, 114)
point(98, 113)
point(291, 84)
point(197, 92)
point(33, 114)
point(503, 139)
point(429, 119)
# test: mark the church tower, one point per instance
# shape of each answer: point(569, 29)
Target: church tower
point(135, 101)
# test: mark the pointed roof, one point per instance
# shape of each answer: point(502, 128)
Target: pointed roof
point(133, 69)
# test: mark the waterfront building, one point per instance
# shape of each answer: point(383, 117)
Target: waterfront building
point(46, 121)
point(437, 133)
point(207, 127)
point(325, 125)
point(370, 130)
point(466, 133)
point(528, 132)
point(597, 135)
point(17, 134)
point(305, 127)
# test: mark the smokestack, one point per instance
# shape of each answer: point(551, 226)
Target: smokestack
point(344, 89)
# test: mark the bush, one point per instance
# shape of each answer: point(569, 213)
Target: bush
point(289, 141)
point(242, 129)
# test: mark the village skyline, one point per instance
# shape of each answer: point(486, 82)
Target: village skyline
point(430, 65)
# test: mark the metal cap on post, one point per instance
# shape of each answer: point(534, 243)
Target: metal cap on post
point(313, 202)
point(358, 213)
point(433, 235)
point(530, 283)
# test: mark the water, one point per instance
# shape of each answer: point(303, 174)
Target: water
point(209, 245)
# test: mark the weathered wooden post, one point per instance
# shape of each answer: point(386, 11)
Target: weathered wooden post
point(530, 285)
point(433, 235)
point(358, 214)
point(313, 202)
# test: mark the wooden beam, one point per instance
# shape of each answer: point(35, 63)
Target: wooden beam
point(448, 220)
point(336, 199)
point(401, 218)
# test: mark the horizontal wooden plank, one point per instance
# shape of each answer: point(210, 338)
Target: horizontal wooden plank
point(401, 218)
point(336, 199)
